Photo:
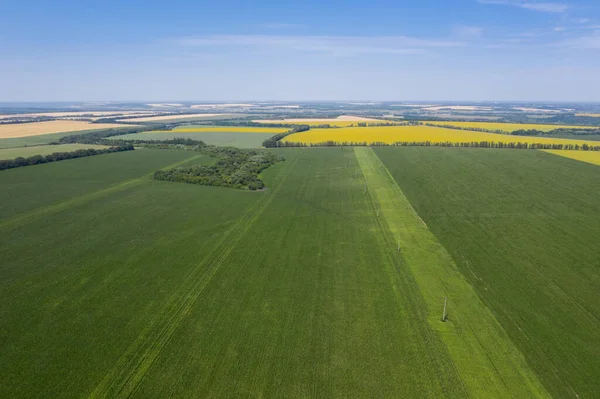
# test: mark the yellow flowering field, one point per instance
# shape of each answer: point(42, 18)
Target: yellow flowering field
point(392, 134)
point(507, 127)
point(584, 156)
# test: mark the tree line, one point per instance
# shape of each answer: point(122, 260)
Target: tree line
point(235, 168)
point(274, 140)
point(60, 156)
point(474, 144)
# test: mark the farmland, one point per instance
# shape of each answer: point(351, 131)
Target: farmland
point(243, 137)
point(592, 157)
point(392, 134)
point(342, 121)
point(18, 130)
point(329, 283)
point(507, 127)
point(25, 152)
point(519, 226)
point(178, 117)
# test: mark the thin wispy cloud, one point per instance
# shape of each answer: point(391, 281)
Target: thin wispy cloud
point(587, 42)
point(468, 31)
point(279, 25)
point(335, 45)
point(550, 7)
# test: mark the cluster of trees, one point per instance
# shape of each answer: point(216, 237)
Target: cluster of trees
point(477, 144)
point(274, 140)
point(377, 124)
point(177, 142)
point(236, 168)
point(60, 156)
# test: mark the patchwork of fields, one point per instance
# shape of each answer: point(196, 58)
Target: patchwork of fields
point(330, 283)
point(392, 134)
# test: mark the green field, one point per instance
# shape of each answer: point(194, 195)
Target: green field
point(12, 153)
point(523, 229)
point(329, 283)
point(236, 139)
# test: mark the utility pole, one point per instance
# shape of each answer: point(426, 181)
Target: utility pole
point(445, 314)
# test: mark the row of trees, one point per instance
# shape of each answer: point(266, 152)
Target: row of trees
point(524, 132)
point(478, 144)
point(556, 132)
point(236, 168)
point(274, 140)
point(99, 136)
point(60, 156)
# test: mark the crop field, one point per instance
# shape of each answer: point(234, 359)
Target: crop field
point(329, 283)
point(520, 227)
point(229, 129)
point(508, 127)
point(592, 157)
point(12, 153)
point(392, 134)
point(18, 130)
point(342, 121)
point(77, 114)
point(172, 118)
point(243, 137)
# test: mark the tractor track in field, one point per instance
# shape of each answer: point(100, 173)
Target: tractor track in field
point(35, 214)
point(125, 377)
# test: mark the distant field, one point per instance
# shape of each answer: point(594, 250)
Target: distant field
point(236, 139)
point(592, 115)
point(391, 134)
point(508, 127)
point(243, 137)
point(75, 114)
point(344, 120)
point(230, 129)
point(12, 153)
point(17, 130)
point(173, 117)
point(592, 157)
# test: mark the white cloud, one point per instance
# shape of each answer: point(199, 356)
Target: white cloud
point(465, 30)
point(335, 45)
point(560, 29)
point(590, 42)
point(530, 5)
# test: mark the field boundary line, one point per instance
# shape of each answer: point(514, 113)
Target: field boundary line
point(484, 356)
point(38, 213)
point(125, 377)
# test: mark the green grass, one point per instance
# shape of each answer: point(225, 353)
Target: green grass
point(12, 153)
point(159, 289)
point(33, 187)
point(522, 226)
point(236, 139)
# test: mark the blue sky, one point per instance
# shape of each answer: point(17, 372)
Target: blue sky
point(454, 50)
